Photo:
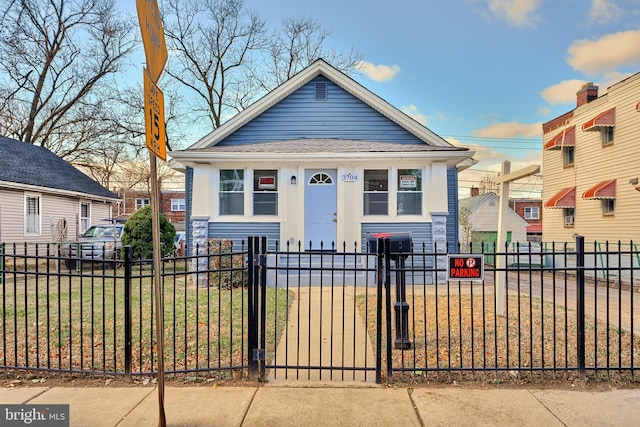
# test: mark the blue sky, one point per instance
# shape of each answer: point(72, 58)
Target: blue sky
point(482, 73)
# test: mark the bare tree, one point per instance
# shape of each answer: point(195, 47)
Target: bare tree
point(55, 58)
point(136, 174)
point(221, 52)
point(212, 44)
point(299, 42)
point(467, 228)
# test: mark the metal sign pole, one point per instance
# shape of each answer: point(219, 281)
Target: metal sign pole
point(155, 223)
point(155, 50)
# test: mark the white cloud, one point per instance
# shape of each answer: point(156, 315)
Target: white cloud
point(563, 92)
point(605, 54)
point(544, 111)
point(379, 73)
point(604, 12)
point(519, 13)
point(510, 130)
point(413, 112)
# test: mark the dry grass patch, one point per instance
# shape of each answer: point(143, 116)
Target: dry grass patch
point(458, 336)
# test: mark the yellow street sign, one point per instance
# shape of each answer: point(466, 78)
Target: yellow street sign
point(154, 118)
point(155, 48)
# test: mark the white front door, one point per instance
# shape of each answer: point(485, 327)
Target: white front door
point(320, 213)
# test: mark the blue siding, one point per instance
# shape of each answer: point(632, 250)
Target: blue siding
point(452, 218)
point(239, 232)
point(341, 116)
point(420, 233)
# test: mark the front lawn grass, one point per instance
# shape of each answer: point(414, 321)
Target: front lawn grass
point(75, 322)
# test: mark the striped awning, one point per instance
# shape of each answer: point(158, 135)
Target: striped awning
point(534, 228)
point(564, 139)
point(602, 190)
point(565, 198)
point(604, 119)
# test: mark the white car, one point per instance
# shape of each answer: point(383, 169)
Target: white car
point(525, 254)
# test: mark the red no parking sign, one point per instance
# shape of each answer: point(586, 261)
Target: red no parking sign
point(465, 267)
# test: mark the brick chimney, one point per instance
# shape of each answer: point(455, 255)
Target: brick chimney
point(588, 93)
point(475, 191)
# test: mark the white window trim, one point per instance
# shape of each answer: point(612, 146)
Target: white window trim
point(565, 160)
point(392, 193)
point(534, 212)
point(83, 229)
point(570, 223)
point(397, 191)
point(604, 135)
point(178, 204)
point(24, 216)
point(135, 202)
point(246, 195)
point(249, 198)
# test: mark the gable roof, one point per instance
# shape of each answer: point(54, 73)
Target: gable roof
point(472, 203)
point(24, 165)
point(320, 67)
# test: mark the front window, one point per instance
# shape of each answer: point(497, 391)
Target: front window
point(409, 192)
point(85, 216)
point(232, 192)
point(32, 214)
point(141, 202)
point(608, 206)
point(568, 156)
point(265, 192)
point(376, 192)
point(531, 212)
point(607, 135)
point(177, 205)
point(569, 214)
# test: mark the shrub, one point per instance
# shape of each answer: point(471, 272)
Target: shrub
point(138, 233)
point(226, 269)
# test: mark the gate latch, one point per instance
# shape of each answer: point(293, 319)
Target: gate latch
point(259, 354)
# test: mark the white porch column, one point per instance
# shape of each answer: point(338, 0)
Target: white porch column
point(201, 205)
point(439, 203)
point(200, 234)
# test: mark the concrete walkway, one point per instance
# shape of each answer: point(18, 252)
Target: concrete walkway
point(335, 406)
point(324, 330)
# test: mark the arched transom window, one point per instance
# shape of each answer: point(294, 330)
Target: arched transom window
point(321, 178)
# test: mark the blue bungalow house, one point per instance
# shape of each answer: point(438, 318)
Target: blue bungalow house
point(322, 160)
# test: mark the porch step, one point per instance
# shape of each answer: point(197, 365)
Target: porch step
point(317, 269)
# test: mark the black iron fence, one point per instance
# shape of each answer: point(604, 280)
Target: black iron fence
point(534, 314)
point(374, 313)
point(98, 317)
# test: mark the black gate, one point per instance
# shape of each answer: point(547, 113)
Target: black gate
point(331, 317)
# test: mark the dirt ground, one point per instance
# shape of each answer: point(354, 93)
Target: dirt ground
point(27, 379)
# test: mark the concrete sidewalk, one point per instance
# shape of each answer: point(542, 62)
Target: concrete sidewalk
point(347, 405)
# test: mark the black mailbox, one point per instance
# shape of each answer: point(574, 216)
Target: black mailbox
point(399, 242)
point(399, 249)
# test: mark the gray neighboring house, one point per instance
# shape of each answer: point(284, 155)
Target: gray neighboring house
point(45, 199)
point(482, 222)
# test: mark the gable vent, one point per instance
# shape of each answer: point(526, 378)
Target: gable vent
point(321, 91)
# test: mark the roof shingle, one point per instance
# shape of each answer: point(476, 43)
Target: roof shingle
point(29, 164)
